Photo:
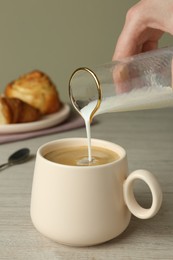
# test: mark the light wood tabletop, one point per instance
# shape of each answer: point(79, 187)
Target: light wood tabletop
point(147, 137)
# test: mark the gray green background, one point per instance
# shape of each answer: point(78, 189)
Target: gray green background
point(57, 36)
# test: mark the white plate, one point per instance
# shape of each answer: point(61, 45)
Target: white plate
point(44, 122)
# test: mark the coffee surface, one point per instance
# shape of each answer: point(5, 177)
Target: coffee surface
point(78, 156)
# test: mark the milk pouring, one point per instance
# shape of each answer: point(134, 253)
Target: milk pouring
point(140, 82)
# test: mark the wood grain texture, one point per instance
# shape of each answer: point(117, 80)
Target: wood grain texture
point(148, 138)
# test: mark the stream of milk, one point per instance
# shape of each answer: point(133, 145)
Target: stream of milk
point(137, 99)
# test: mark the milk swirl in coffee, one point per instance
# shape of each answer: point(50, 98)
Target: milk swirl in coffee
point(78, 156)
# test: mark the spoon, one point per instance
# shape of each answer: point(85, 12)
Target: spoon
point(18, 157)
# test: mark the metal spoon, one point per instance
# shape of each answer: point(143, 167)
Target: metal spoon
point(18, 157)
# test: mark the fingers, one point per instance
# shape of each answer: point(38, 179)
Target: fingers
point(138, 42)
point(143, 28)
point(121, 75)
point(127, 44)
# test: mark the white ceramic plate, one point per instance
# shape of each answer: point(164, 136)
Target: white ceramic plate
point(44, 122)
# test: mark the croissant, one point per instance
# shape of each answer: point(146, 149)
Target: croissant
point(13, 110)
point(36, 89)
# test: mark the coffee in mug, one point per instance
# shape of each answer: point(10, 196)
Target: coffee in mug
point(78, 156)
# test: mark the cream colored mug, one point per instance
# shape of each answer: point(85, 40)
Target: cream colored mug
point(87, 205)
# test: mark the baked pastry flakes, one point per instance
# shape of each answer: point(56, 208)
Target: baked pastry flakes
point(36, 89)
point(13, 110)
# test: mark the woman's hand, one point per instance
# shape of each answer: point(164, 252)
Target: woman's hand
point(144, 25)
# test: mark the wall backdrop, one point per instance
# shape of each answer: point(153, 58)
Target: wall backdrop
point(57, 36)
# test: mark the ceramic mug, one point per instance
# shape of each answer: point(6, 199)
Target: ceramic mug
point(87, 205)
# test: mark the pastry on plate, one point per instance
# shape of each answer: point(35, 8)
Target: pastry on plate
point(13, 110)
point(36, 89)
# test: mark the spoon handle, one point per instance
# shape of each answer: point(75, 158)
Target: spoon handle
point(4, 165)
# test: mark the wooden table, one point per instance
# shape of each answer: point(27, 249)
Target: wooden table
point(148, 138)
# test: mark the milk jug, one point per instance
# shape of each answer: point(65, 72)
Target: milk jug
point(143, 81)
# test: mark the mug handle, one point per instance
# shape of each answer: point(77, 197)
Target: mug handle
point(129, 197)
